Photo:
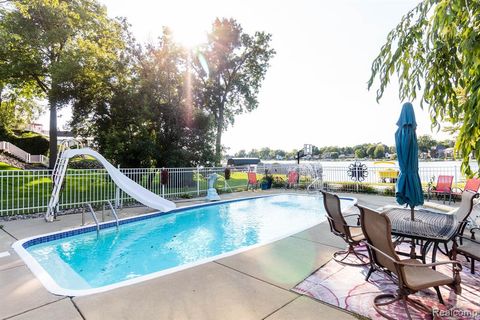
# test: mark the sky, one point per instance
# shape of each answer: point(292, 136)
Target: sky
point(315, 91)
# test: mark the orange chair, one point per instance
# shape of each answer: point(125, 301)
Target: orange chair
point(443, 187)
point(292, 179)
point(252, 180)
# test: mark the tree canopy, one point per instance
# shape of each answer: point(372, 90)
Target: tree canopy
point(57, 46)
point(435, 53)
point(231, 68)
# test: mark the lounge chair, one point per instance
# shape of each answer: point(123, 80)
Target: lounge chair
point(443, 187)
point(351, 234)
point(470, 248)
point(410, 275)
point(252, 180)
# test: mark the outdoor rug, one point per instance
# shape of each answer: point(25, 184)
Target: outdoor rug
point(345, 287)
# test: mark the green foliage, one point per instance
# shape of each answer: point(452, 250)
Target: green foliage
point(148, 118)
point(17, 105)
point(379, 152)
point(360, 153)
point(231, 68)
point(59, 48)
point(435, 52)
point(6, 166)
point(32, 143)
point(426, 142)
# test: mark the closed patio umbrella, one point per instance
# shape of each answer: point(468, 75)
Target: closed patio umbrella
point(409, 188)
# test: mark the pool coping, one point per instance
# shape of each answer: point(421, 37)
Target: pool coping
point(51, 285)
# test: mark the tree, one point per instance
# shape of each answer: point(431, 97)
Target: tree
point(231, 67)
point(17, 106)
point(426, 142)
point(146, 117)
point(241, 154)
point(360, 153)
point(379, 152)
point(371, 150)
point(435, 52)
point(53, 44)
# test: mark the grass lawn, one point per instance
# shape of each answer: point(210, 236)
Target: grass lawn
point(6, 166)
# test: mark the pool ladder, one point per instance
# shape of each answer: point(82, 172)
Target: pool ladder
point(94, 216)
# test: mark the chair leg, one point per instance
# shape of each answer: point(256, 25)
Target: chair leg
point(472, 266)
point(437, 289)
point(364, 260)
point(370, 271)
point(434, 254)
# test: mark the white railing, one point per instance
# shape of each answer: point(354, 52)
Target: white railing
point(28, 191)
point(22, 155)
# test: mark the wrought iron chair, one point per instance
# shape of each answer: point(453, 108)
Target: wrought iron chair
point(410, 275)
point(352, 235)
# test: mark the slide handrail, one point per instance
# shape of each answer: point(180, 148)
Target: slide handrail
point(127, 185)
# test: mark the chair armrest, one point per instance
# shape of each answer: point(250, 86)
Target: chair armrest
point(406, 264)
point(429, 265)
point(473, 233)
point(470, 239)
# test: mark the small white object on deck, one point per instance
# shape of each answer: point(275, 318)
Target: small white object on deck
point(4, 254)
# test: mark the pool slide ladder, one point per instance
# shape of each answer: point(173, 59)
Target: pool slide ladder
point(127, 185)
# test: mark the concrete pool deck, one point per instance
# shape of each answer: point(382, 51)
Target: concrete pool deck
point(254, 284)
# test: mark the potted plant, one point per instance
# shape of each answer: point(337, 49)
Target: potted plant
point(266, 182)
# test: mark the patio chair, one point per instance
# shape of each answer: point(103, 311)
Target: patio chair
point(252, 180)
point(461, 216)
point(352, 235)
point(292, 179)
point(410, 275)
point(471, 185)
point(470, 248)
point(443, 187)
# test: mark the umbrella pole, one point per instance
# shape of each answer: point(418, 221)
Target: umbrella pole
point(413, 251)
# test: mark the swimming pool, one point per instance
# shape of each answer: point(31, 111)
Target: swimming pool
point(77, 262)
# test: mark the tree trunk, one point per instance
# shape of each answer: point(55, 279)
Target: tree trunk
point(218, 142)
point(53, 133)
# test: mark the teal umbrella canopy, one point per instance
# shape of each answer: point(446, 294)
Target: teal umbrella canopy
point(409, 188)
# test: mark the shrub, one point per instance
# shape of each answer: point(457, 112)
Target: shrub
point(32, 143)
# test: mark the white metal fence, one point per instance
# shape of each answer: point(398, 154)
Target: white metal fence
point(28, 191)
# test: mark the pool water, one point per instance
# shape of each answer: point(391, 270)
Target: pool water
point(181, 238)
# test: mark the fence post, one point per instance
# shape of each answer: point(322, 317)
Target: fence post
point(455, 175)
point(198, 181)
point(117, 194)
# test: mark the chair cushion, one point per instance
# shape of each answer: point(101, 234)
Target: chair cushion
point(356, 233)
point(470, 248)
point(421, 278)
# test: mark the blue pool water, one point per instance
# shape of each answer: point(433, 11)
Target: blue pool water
point(162, 242)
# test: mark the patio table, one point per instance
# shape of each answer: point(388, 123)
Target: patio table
point(432, 227)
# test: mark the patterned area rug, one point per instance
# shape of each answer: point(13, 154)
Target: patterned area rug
point(345, 287)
